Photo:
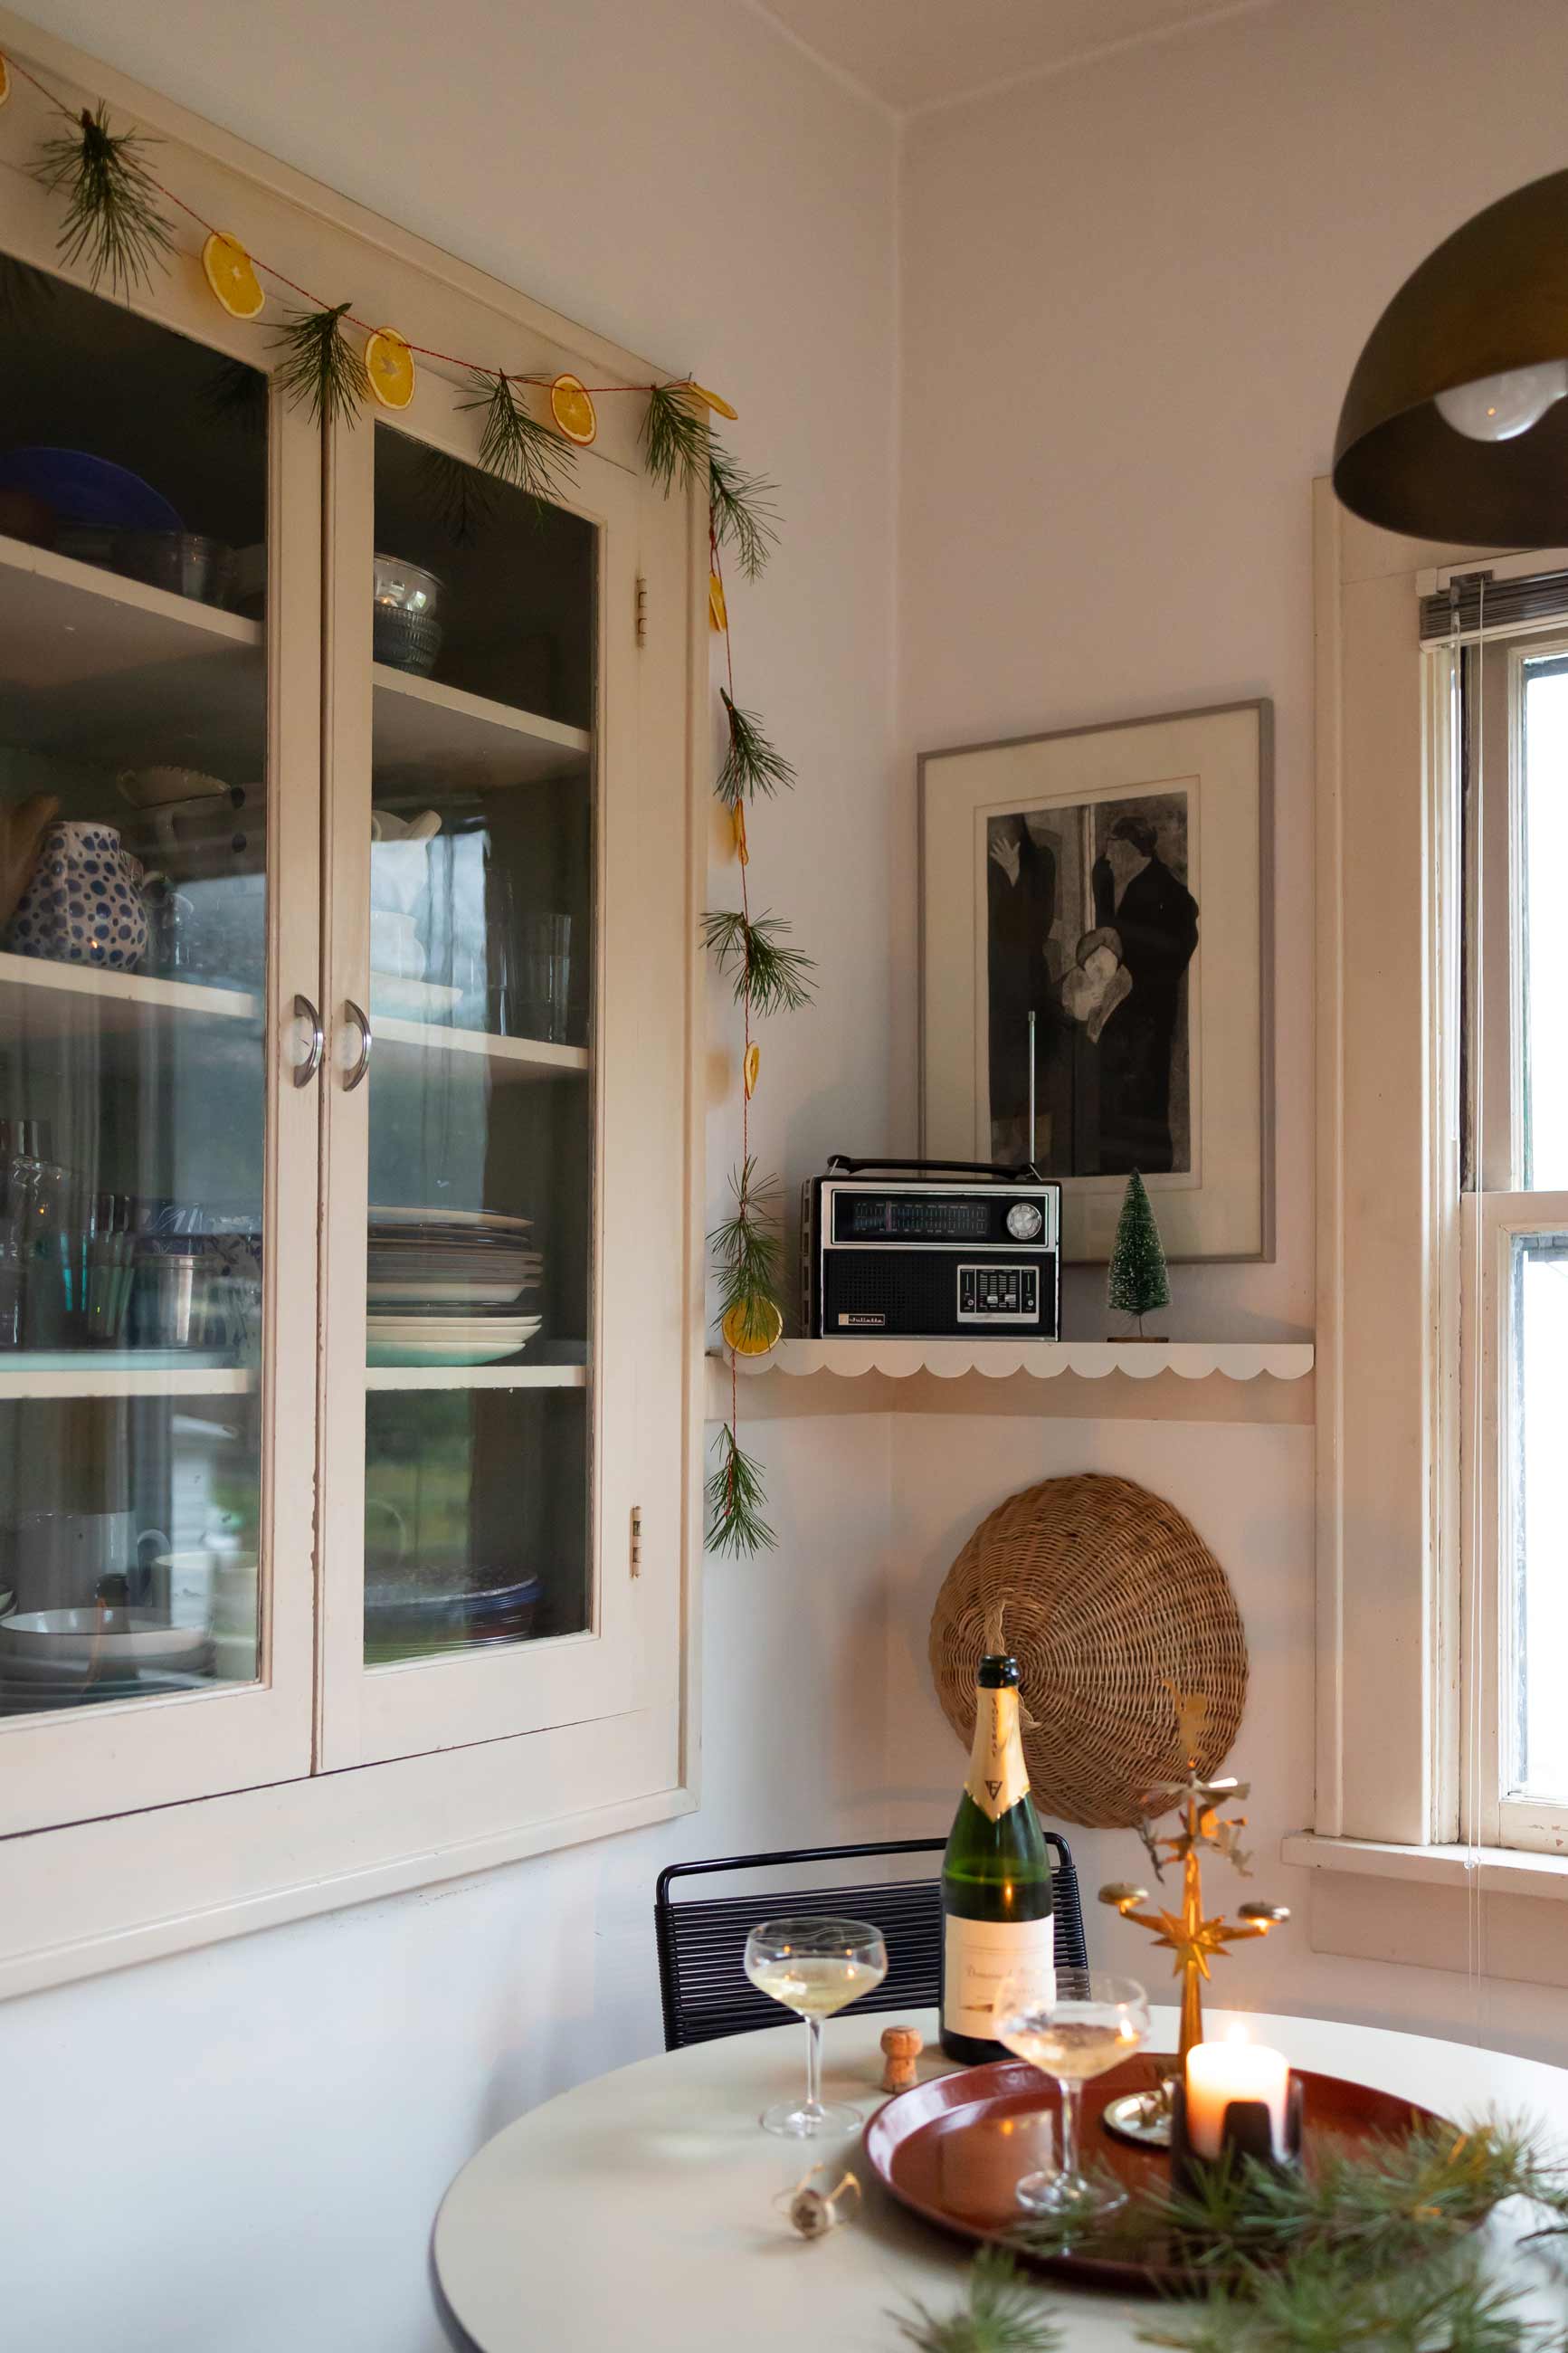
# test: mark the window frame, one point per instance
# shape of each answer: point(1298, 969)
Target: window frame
point(1408, 1780)
point(1498, 1207)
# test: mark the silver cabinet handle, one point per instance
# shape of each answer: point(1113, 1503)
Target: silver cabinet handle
point(360, 1062)
point(306, 1012)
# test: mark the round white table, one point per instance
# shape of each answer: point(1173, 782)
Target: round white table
point(638, 2210)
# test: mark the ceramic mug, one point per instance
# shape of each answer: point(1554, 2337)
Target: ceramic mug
point(56, 1559)
point(83, 905)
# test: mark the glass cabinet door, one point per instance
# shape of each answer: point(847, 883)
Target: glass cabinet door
point(150, 1171)
point(469, 798)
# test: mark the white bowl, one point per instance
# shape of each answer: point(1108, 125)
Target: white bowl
point(75, 1638)
point(148, 788)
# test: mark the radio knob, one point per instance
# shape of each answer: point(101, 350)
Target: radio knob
point(1024, 1221)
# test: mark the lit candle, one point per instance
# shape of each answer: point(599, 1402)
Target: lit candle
point(1218, 2072)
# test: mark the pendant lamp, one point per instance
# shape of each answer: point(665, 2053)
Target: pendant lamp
point(1455, 422)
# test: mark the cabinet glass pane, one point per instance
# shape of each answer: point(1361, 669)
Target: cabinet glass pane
point(132, 904)
point(481, 1127)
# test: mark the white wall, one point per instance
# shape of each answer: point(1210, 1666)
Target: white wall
point(1132, 296)
point(245, 2148)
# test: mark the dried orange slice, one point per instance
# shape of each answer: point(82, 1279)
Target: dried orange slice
point(5, 81)
point(752, 1327)
point(572, 406)
point(701, 392)
point(229, 274)
point(389, 364)
point(738, 828)
point(718, 612)
point(752, 1069)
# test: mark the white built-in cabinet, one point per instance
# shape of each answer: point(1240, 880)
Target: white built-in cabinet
point(348, 1270)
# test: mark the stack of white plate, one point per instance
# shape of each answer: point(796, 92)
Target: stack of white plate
point(443, 1286)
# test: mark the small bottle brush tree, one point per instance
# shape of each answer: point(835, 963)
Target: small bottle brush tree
point(1138, 1282)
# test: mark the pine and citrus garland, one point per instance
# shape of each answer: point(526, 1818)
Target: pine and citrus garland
point(119, 225)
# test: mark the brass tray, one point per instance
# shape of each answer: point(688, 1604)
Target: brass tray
point(953, 2150)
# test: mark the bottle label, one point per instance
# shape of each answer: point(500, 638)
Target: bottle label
point(998, 1776)
point(977, 1955)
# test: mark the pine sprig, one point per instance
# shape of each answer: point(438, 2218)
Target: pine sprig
point(112, 218)
point(319, 369)
point(745, 1247)
point(675, 436)
point(741, 511)
point(534, 458)
point(772, 978)
point(1334, 2303)
point(464, 499)
point(1000, 2312)
point(236, 394)
point(735, 1496)
point(750, 764)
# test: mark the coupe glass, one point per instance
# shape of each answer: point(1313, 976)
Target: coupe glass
point(814, 1967)
point(1081, 2026)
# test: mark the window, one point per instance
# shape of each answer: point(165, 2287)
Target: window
point(1513, 1280)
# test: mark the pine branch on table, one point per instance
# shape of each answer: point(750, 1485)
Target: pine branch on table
point(1000, 2312)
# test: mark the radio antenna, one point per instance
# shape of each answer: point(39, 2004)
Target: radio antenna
point(1030, 1154)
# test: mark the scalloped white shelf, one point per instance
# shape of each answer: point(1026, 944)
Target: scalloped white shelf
point(889, 1376)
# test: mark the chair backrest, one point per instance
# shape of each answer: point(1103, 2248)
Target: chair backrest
point(702, 1944)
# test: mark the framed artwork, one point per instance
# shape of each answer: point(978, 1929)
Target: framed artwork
point(1115, 884)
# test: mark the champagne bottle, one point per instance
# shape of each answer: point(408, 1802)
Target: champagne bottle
point(995, 1875)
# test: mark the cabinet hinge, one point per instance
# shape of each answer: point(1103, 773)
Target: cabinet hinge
point(642, 610)
point(636, 1540)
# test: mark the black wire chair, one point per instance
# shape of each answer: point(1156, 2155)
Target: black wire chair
point(702, 1981)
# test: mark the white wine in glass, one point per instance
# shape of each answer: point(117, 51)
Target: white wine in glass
point(1082, 2027)
point(814, 1967)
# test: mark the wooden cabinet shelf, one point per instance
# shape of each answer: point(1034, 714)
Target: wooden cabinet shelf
point(511, 1058)
point(423, 727)
point(113, 1373)
point(127, 676)
point(63, 1000)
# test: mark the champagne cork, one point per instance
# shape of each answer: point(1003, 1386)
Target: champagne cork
point(901, 2046)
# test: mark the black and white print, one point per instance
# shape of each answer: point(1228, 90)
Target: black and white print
point(1092, 927)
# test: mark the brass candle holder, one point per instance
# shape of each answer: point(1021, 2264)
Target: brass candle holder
point(1194, 1939)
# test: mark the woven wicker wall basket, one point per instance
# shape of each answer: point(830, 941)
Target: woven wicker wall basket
point(1116, 1612)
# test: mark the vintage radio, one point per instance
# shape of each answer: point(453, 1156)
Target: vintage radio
point(929, 1249)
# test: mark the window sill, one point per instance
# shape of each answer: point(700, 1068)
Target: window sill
point(1414, 1906)
point(1501, 1871)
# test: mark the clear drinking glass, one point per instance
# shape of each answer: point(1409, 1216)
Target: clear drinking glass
point(814, 1967)
point(1085, 2025)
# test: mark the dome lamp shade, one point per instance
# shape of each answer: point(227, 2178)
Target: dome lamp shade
point(1454, 425)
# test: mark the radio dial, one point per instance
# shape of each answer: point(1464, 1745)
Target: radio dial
point(1024, 1221)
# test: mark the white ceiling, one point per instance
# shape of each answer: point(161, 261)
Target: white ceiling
point(918, 53)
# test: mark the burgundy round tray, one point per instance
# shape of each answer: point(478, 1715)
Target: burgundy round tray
point(954, 2149)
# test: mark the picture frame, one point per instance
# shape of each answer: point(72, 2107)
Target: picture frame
point(1116, 882)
